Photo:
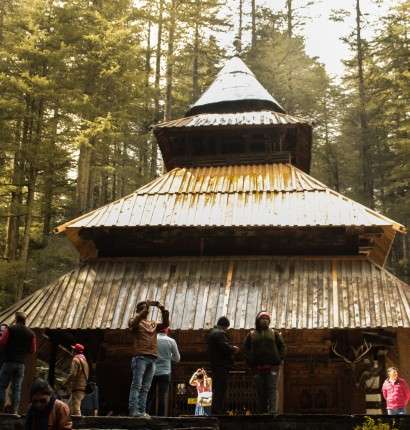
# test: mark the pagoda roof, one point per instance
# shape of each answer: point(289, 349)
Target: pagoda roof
point(255, 118)
point(268, 195)
point(243, 196)
point(299, 292)
point(235, 89)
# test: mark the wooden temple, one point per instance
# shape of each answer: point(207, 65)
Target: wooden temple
point(236, 225)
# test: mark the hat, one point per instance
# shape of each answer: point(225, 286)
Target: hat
point(263, 314)
point(78, 348)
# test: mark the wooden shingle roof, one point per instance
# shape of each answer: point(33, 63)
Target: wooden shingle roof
point(299, 293)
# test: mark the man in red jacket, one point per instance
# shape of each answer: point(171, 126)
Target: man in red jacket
point(396, 392)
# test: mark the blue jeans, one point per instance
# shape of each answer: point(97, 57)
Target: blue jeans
point(14, 373)
point(265, 383)
point(398, 411)
point(143, 369)
point(201, 410)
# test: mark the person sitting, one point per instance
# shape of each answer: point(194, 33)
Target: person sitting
point(203, 384)
point(45, 411)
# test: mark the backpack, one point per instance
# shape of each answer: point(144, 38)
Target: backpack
point(88, 386)
point(4, 336)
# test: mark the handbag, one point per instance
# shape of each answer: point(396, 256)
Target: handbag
point(205, 399)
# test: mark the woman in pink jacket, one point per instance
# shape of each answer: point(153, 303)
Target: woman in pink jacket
point(396, 392)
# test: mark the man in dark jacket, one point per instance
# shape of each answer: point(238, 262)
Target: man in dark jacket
point(18, 341)
point(220, 353)
point(264, 351)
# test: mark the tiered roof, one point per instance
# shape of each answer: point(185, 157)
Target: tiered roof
point(300, 293)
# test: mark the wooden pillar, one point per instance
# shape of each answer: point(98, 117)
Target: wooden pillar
point(29, 375)
point(52, 363)
point(403, 347)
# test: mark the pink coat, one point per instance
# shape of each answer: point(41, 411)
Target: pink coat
point(396, 394)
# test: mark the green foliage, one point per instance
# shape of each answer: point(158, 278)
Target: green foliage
point(78, 94)
point(371, 424)
point(45, 265)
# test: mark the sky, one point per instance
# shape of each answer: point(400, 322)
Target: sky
point(322, 35)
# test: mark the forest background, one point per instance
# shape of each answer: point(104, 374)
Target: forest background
point(82, 81)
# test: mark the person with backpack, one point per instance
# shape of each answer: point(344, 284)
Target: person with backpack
point(17, 341)
point(76, 381)
point(46, 412)
point(265, 350)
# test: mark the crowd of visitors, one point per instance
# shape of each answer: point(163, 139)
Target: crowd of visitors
point(154, 351)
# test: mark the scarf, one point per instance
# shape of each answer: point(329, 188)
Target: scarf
point(38, 420)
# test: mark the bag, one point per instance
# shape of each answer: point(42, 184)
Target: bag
point(4, 336)
point(205, 399)
point(88, 386)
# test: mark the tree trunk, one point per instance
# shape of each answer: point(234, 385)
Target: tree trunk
point(239, 46)
point(289, 20)
point(331, 156)
point(158, 54)
point(367, 174)
point(83, 177)
point(195, 62)
point(49, 180)
point(289, 17)
point(148, 58)
point(253, 24)
point(13, 219)
point(170, 60)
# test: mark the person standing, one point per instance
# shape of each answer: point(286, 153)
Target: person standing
point(18, 341)
point(45, 411)
point(396, 392)
point(90, 403)
point(264, 351)
point(203, 384)
point(220, 352)
point(76, 381)
point(145, 353)
point(167, 352)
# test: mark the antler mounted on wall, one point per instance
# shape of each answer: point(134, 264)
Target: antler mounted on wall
point(358, 355)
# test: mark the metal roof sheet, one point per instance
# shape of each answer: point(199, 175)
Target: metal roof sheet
point(235, 83)
point(298, 292)
point(275, 195)
point(256, 118)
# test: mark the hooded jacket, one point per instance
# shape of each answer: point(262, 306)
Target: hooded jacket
point(264, 347)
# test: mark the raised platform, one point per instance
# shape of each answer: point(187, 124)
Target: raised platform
point(254, 422)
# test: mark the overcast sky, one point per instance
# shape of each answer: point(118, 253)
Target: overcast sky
point(322, 35)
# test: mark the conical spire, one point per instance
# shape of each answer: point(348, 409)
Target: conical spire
point(235, 89)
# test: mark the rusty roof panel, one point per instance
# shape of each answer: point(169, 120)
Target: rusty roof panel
point(276, 195)
point(261, 118)
point(299, 292)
